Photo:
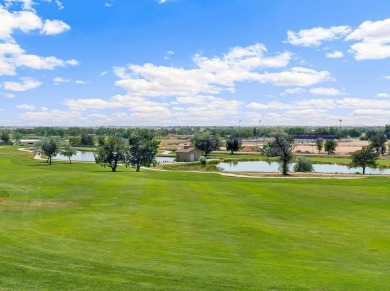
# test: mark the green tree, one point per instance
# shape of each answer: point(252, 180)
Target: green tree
point(143, 148)
point(4, 136)
point(49, 146)
point(74, 140)
point(115, 150)
point(101, 140)
point(280, 145)
point(319, 144)
point(363, 158)
point(330, 146)
point(378, 142)
point(87, 140)
point(233, 144)
point(206, 142)
point(69, 151)
point(17, 137)
point(304, 164)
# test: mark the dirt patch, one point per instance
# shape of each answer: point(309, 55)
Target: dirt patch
point(36, 204)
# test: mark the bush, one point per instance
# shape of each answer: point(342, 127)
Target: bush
point(203, 160)
point(304, 164)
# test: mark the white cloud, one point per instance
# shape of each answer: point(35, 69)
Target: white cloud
point(12, 55)
point(216, 74)
point(52, 27)
point(26, 4)
point(109, 3)
point(19, 20)
point(386, 77)
point(363, 103)
point(103, 73)
point(293, 91)
point(383, 95)
point(371, 112)
point(80, 82)
point(59, 80)
point(317, 35)
point(269, 105)
point(10, 96)
point(25, 107)
point(335, 55)
point(375, 39)
point(209, 76)
point(325, 91)
point(58, 117)
point(59, 4)
point(297, 76)
point(24, 85)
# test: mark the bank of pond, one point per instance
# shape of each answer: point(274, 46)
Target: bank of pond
point(250, 166)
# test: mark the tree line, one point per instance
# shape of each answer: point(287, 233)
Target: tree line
point(224, 131)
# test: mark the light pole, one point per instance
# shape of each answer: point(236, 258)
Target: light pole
point(340, 128)
point(239, 126)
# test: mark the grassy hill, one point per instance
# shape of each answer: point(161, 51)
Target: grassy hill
point(80, 226)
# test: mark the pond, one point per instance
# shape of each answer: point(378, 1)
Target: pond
point(264, 166)
point(88, 157)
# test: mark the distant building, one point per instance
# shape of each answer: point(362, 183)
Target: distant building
point(188, 154)
point(28, 142)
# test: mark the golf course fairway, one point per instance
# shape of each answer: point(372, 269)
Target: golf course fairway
point(81, 227)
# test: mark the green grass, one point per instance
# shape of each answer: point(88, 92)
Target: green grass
point(80, 227)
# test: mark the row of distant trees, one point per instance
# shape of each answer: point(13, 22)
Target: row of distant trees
point(242, 132)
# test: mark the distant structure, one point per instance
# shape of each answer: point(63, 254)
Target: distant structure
point(188, 154)
point(28, 142)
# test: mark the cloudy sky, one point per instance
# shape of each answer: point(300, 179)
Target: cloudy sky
point(194, 62)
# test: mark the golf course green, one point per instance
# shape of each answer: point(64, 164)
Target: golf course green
point(82, 227)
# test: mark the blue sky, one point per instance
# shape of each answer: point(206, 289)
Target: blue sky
point(194, 62)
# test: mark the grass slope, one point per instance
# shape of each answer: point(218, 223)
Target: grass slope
point(79, 226)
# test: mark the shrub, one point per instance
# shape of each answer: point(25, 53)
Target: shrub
point(203, 160)
point(304, 164)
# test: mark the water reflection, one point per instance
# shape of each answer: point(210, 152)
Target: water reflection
point(267, 167)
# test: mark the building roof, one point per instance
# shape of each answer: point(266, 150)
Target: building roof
point(185, 150)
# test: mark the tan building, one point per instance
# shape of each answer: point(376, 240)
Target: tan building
point(188, 154)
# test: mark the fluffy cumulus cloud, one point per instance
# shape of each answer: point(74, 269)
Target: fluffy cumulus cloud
point(25, 107)
point(325, 91)
point(26, 20)
point(374, 37)
point(193, 95)
point(316, 36)
point(213, 75)
point(335, 55)
point(51, 27)
point(24, 85)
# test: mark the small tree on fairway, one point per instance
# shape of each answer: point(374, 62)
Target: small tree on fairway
point(114, 151)
point(68, 151)
point(304, 164)
point(205, 142)
point(363, 158)
point(143, 148)
point(233, 144)
point(330, 146)
point(319, 144)
point(281, 146)
point(50, 147)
